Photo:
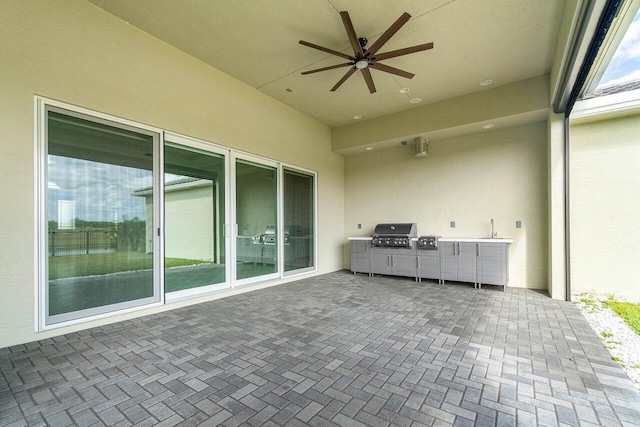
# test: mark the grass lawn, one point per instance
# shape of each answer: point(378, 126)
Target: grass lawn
point(629, 312)
point(96, 264)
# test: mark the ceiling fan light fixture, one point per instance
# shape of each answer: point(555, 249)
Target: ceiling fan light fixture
point(357, 117)
point(486, 82)
point(362, 63)
point(404, 90)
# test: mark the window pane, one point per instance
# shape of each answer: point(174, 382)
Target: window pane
point(194, 218)
point(100, 216)
point(256, 216)
point(298, 220)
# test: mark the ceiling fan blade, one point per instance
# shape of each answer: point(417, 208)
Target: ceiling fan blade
point(327, 68)
point(324, 49)
point(343, 79)
point(405, 51)
point(404, 18)
point(392, 70)
point(367, 78)
point(353, 38)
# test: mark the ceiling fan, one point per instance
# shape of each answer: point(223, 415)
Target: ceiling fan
point(365, 58)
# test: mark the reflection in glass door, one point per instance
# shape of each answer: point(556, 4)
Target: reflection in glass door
point(256, 216)
point(100, 204)
point(194, 217)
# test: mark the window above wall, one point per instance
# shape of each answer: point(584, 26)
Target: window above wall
point(617, 67)
point(613, 84)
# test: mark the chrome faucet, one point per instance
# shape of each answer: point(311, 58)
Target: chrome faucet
point(493, 230)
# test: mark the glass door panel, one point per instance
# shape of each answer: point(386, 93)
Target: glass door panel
point(194, 217)
point(100, 213)
point(299, 212)
point(256, 216)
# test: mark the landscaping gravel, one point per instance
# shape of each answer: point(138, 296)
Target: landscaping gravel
point(616, 335)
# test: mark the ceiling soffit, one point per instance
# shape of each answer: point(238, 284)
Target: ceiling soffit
point(257, 43)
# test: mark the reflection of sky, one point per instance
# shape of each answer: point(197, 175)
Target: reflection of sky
point(102, 192)
point(625, 64)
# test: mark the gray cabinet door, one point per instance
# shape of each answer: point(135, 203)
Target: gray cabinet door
point(467, 254)
point(394, 261)
point(403, 265)
point(458, 261)
point(380, 263)
point(428, 264)
point(254, 252)
point(492, 264)
point(360, 250)
point(268, 254)
point(448, 261)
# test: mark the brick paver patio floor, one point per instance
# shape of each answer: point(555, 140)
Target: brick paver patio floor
point(336, 349)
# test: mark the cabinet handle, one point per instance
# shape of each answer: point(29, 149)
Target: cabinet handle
point(392, 256)
point(477, 249)
point(454, 248)
point(388, 260)
point(417, 262)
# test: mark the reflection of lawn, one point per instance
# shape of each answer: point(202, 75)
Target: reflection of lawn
point(86, 265)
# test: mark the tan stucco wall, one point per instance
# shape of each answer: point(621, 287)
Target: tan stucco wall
point(497, 174)
point(74, 52)
point(556, 203)
point(605, 206)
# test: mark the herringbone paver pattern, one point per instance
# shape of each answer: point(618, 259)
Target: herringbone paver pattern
point(337, 349)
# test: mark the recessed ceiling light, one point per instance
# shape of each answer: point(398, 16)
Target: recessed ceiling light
point(488, 126)
point(404, 90)
point(415, 100)
point(357, 117)
point(289, 90)
point(369, 148)
point(486, 82)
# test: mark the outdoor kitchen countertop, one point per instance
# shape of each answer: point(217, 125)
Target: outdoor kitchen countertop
point(452, 239)
point(475, 239)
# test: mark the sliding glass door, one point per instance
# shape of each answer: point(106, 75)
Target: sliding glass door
point(299, 221)
point(132, 217)
point(256, 220)
point(194, 217)
point(101, 201)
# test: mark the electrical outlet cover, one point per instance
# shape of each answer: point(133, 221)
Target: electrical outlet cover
point(453, 224)
point(518, 224)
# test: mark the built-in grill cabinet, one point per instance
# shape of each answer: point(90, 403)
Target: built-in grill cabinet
point(393, 249)
point(428, 262)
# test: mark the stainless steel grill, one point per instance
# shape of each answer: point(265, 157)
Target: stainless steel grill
point(396, 235)
point(269, 236)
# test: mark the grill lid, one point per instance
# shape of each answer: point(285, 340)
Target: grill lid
point(396, 229)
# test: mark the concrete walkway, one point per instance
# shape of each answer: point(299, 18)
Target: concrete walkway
point(337, 349)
